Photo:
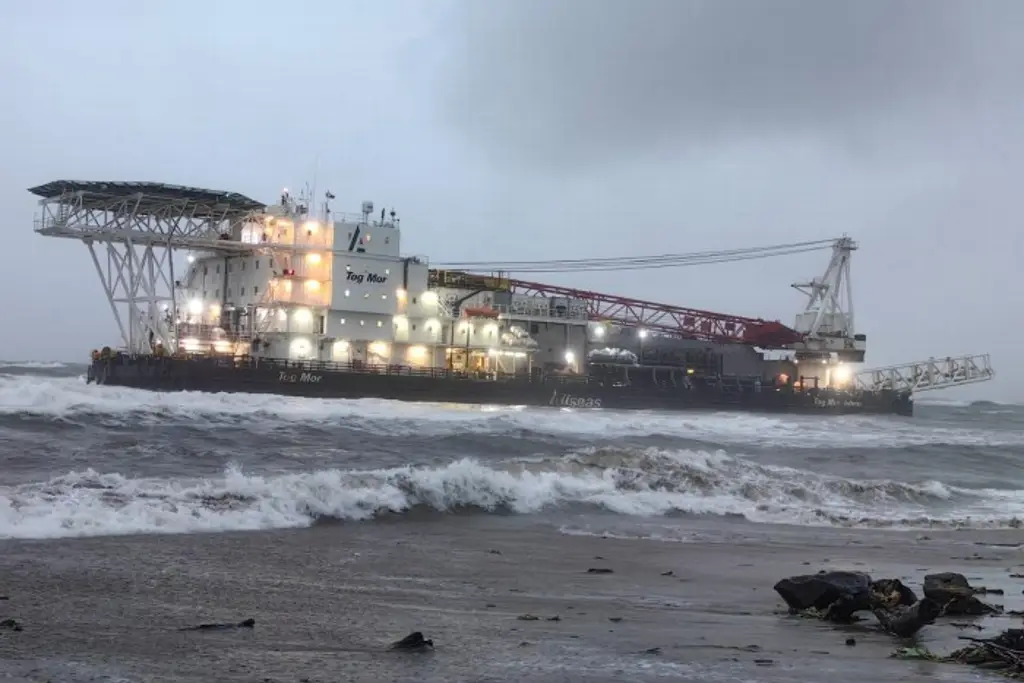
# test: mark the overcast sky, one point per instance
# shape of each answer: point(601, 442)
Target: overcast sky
point(522, 129)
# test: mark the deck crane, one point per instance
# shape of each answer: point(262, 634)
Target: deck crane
point(824, 330)
point(826, 325)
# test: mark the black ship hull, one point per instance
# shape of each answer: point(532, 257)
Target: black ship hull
point(328, 380)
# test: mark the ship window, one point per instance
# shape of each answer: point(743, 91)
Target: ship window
point(380, 323)
point(243, 265)
point(271, 262)
point(383, 296)
point(362, 322)
point(366, 295)
point(387, 271)
point(341, 321)
point(348, 268)
point(205, 270)
point(256, 289)
point(414, 299)
point(229, 267)
point(257, 264)
point(216, 293)
point(347, 292)
point(414, 327)
point(387, 240)
point(204, 293)
point(242, 293)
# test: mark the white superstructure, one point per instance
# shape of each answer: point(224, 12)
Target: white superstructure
point(333, 288)
point(337, 288)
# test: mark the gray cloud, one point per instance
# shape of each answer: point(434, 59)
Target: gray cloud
point(748, 92)
point(560, 83)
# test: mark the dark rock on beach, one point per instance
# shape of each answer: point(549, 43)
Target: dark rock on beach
point(956, 595)
point(837, 594)
point(414, 642)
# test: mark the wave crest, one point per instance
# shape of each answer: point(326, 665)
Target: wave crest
point(646, 483)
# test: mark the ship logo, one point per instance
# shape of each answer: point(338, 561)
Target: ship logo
point(573, 401)
point(355, 240)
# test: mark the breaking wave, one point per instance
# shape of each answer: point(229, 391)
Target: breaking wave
point(648, 482)
point(32, 364)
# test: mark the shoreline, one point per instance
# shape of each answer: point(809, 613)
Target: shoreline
point(327, 601)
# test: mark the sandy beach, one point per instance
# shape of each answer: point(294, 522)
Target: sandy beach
point(328, 600)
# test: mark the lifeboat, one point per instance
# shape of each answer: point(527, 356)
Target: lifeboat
point(481, 312)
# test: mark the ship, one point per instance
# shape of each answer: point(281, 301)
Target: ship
point(216, 292)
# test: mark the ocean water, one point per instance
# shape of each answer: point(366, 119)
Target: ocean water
point(81, 460)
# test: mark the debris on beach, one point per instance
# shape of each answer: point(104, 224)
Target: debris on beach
point(248, 623)
point(414, 642)
point(837, 595)
point(10, 625)
point(1004, 653)
point(903, 621)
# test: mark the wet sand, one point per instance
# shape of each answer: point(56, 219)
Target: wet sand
point(328, 600)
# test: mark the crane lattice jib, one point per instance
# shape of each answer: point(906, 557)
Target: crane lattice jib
point(689, 323)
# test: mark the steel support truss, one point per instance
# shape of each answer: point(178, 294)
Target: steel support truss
point(829, 309)
point(928, 375)
point(687, 323)
point(132, 239)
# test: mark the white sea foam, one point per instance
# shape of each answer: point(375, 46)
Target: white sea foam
point(32, 364)
point(635, 483)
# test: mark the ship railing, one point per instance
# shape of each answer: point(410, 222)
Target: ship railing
point(297, 293)
point(397, 370)
point(356, 367)
point(207, 333)
point(540, 310)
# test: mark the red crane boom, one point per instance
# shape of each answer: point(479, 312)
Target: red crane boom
point(687, 323)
